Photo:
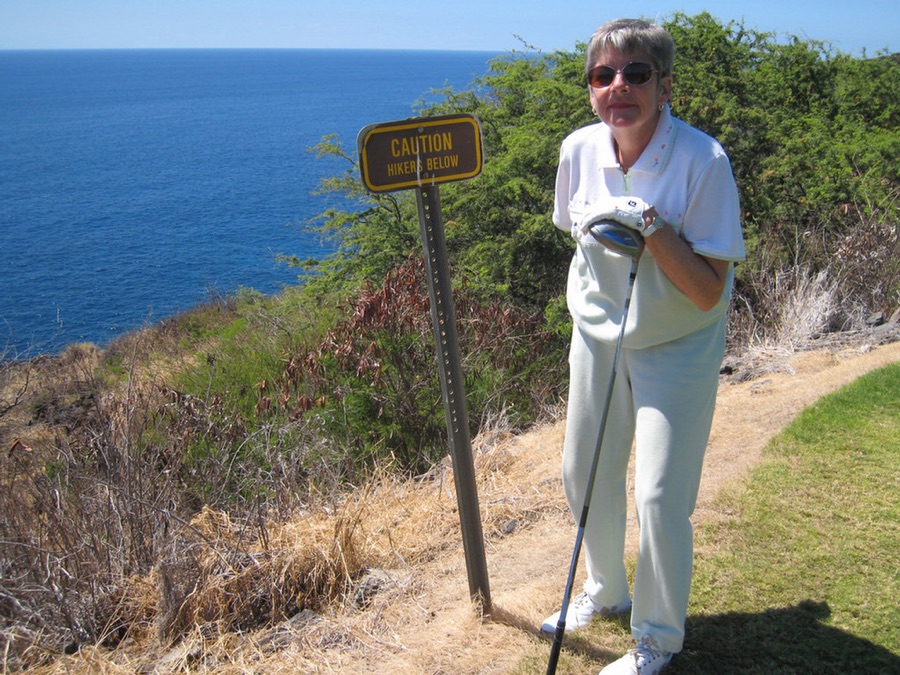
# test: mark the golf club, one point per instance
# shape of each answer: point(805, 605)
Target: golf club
point(625, 241)
point(619, 238)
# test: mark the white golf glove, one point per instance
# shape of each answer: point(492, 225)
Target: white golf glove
point(628, 211)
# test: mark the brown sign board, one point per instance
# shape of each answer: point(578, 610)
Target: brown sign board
point(419, 151)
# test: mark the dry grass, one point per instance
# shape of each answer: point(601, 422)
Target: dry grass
point(353, 580)
point(378, 582)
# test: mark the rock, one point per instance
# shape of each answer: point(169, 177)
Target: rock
point(510, 526)
point(875, 319)
point(369, 585)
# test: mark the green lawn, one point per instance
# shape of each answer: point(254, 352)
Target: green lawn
point(803, 575)
point(804, 578)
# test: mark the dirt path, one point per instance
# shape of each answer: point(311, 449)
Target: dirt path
point(428, 627)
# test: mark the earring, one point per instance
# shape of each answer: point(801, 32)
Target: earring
point(661, 106)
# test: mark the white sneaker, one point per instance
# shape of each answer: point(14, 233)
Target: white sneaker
point(645, 658)
point(581, 610)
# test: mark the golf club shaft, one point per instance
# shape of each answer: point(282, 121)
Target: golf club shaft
point(579, 537)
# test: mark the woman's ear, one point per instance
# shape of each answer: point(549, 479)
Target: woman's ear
point(665, 89)
point(592, 95)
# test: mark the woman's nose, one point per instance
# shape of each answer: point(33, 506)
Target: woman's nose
point(618, 80)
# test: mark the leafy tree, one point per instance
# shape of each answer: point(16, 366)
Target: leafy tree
point(502, 235)
point(813, 142)
point(497, 225)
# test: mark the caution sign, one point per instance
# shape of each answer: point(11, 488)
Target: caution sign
point(419, 151)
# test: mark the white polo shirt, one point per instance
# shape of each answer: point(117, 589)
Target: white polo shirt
point(687, 176)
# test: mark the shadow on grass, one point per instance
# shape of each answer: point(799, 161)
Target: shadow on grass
point(577, 642)
point(783, 640)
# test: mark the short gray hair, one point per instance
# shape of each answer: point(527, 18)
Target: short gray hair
point(626, 35)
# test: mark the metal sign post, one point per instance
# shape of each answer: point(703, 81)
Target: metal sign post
point(420, 153)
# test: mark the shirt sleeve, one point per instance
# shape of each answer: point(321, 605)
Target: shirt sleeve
point(561, 216)
point(712, 223)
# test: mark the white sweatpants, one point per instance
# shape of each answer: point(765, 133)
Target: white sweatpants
point(663, 400)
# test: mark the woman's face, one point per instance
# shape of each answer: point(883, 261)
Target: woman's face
point(629, 109)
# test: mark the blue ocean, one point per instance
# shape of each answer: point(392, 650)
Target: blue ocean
point(135, 184)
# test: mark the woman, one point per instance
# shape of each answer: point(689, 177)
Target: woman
point(674, 185)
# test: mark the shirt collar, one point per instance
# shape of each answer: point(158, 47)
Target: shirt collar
point(655, 156)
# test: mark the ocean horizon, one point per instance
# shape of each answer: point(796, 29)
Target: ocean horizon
point(137, 183)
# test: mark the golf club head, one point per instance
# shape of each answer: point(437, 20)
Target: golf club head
point(618, 238)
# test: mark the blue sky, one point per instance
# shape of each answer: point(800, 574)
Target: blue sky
point(411, 24)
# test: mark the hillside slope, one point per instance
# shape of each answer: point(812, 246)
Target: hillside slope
point(411, 614)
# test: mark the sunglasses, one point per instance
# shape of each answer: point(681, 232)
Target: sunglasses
point(635, 73)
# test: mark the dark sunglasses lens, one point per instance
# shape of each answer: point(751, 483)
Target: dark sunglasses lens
point(633, 73)
point(637, 73)
point(601, 76)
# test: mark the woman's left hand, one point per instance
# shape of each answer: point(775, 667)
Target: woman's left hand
point(633, 212)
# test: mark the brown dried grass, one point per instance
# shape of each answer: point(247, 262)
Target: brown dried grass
point(378, 583)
